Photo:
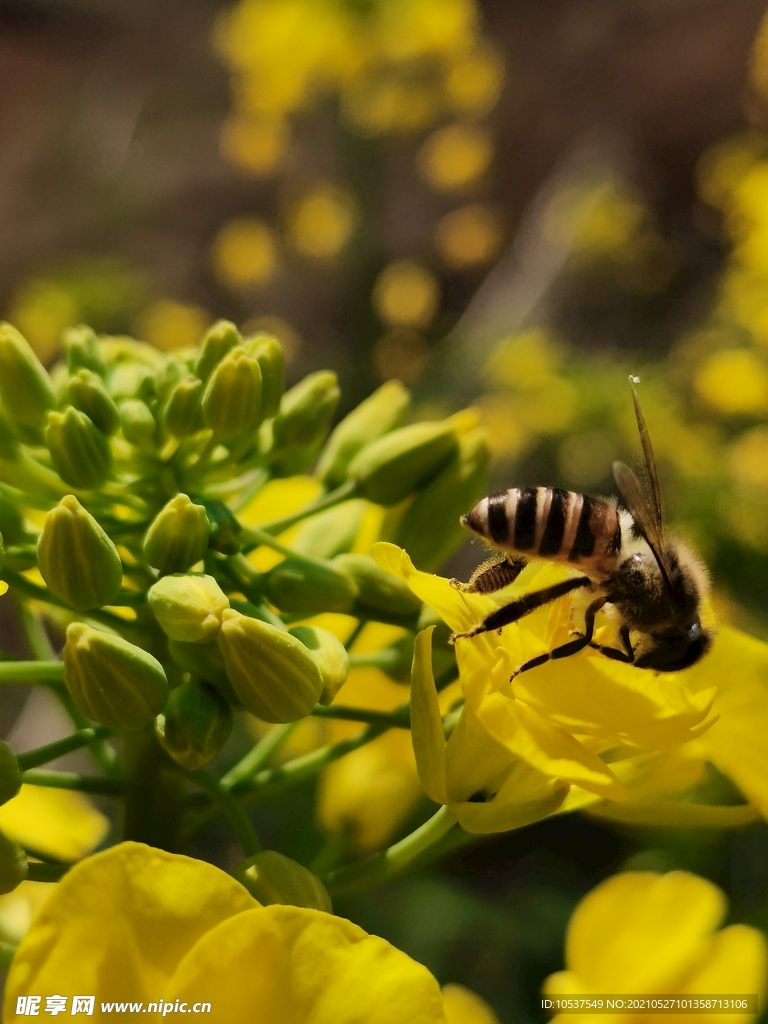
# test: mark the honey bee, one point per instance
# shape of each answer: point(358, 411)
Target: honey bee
point(653, 583)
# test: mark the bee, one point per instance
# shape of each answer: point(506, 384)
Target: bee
point(629, 565)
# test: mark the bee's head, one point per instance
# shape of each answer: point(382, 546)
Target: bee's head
point(675, 649)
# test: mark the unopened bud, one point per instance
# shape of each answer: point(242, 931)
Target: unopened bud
point(9, 442)
point(268, 353)
point(301, 585)
point(137, 421)
point(384, 410)
point(330, 532)
point(13, 865)
point(82, 348)
point(25, 387)
point(217, 341)
point(79, 451)
point(271, 877)
point(430, 530)
point(394, 466)
point(112, 681)
point(77, 559)
point(87, 393)
point(195, 725)
point(10, 774)
point(177, 537)
point(271, 671)
point(330, 656)
point(378, 590)
point(189, 606)
point(232, 398)
point(224, 527)
point(183, 414)
point(306, 411)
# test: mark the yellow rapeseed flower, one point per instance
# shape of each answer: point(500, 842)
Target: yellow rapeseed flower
point(58, 823)
point(138, 924)
point(645, 933)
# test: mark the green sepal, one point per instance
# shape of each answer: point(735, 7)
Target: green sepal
point(79, 451)
point(13, 865)
point(330, 656)
point(86, 391)
point(77, 559)
point(10, 773)
point(271, 877)
point(25, 387)
point(195, 725)
point(272, 672)
point(394, 466)
point(137, 421)
point(82, 350)
point(268, 353)
point(385, 409)
point(177, 537)
point(232, 397)
point(188, 606)
point(306, 411)
point(217, 341)
point(112, 681)
point(378, 591)
point(301, 585)
point(183, 415)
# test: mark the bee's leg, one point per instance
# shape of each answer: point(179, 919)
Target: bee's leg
point(573, 646)
point(494, 574)
point(627, 656)
point(523, 605)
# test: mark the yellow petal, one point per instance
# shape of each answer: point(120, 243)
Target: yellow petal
point(58, 822)
point(639, 931)
point(735, 962)
point(303, 965)
point(676, 814)
point(120, 922)
point(426, 721)
point(3, 587)
point(464, 1007)
point(506, 811)
point(276, 499)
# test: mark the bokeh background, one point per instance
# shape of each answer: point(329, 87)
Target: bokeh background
point(513, 204)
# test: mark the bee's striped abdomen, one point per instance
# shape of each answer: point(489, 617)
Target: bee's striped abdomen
point(547, 522)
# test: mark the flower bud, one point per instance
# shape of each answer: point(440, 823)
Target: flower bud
point(270, 877)
point(9, 442)
point(79, 451)
point(303, 585)
point(10, 774)
point(86, 391)
point(82, 348)
point(232, 397)
point(217, 342)
point(77, 559)
point(330, 532)
point(268, 353)
point(183, 414)
point(386, 409)
point(330, 656)
point(13, 865)
point(306, 411)
point(272, 672)
point(378, 590)
point(430, 530)
point(394, 466)
point(195, 725)
point(224, 527)
point(177, 537)
point(25, 387)
point(189, 606)
point(137, 421)
point(201, 660)
point(112, 681)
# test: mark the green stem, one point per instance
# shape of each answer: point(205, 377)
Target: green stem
point(27, 587)
point(41, 672)
point(355, 878)
point(361, 624)
point(343, 493)
point(238, 820)
point(42, 755)
point(72, 780)
point(389, 657)
point(398, 719)
point(46, 872)
point(258, 756)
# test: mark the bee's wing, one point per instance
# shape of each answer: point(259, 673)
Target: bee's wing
point(641, 508)
point(649, 462)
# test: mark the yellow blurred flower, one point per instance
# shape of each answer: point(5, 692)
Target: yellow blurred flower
point(321, 222)
point(645, 933)
point(733, 381)
point(454, 156)
point(254, 143)
point(401, 354)
point(169, 927)
point(168, 324)
point(468, 236)
point(406, 294)
point(245, 253)
point(41, 310)
point(474, 80)
point(465, 1007)
point(58, 823)
point(748, 457)
point(18, 909)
